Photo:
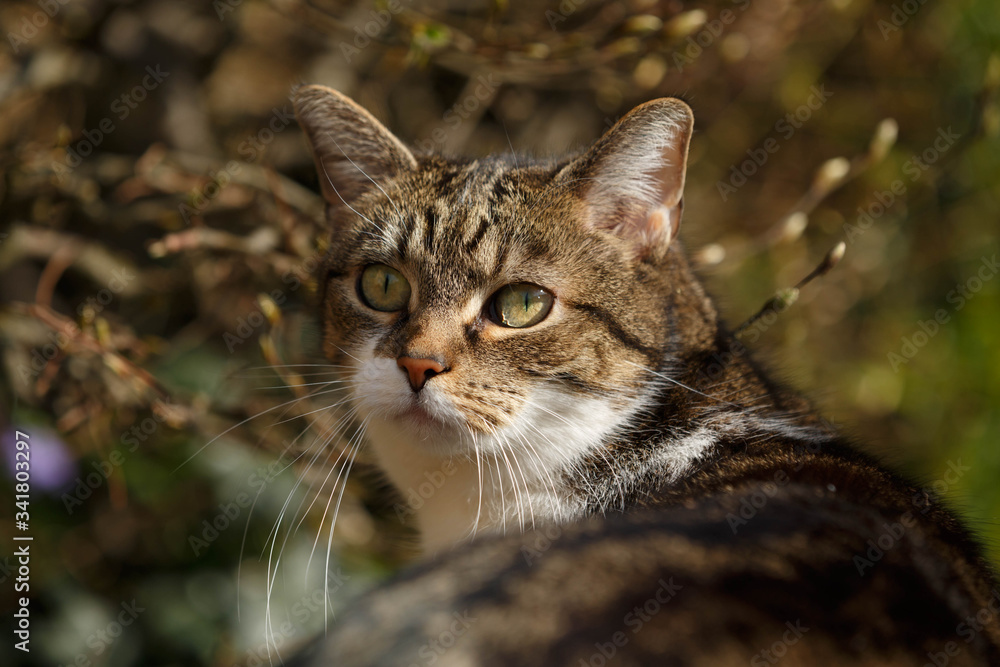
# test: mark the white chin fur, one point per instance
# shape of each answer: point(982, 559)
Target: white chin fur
point(458, 485)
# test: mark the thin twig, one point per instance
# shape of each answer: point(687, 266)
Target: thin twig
point(784, 298)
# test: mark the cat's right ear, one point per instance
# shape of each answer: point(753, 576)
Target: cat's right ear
point(353, 151)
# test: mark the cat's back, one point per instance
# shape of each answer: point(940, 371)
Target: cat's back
point(808, 579)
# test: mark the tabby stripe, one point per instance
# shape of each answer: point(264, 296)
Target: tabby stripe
point(503, 252)
point(478, 236)
point(429, 230)
point(615, 329)
point(407, 236)
point(500, 189)
point(572, 379)
point(403, 245)
point(575, 380)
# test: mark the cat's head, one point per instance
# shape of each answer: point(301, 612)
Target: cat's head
point(500, 300)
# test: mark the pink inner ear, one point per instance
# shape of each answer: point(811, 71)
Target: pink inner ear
point(672, 175)
point(646, 223)
point(636, 174)
point(663, 223)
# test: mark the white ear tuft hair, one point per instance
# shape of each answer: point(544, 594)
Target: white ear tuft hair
point(353, 151)
point(633, 177)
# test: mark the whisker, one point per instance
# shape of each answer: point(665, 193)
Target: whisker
point(253, 505)
point(324, 441)
point(273, 537)
point(308, 509)
point(333, 522)
point(351, 446)
point(679, 384)
point(479, 471)
point(250, 418)
point(365, 174)
point(513, 484)
point(337, 192)
point(275, 366)
point(527, 491)
point(304, 384)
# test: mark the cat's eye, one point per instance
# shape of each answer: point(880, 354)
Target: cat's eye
point(384, 288)
point(520, 305)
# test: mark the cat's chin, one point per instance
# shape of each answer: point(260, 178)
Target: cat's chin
point(422, 423)
point(420, 418)
point(417, 431)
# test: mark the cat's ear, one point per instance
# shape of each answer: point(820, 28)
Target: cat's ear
point(632, 180)
point(353, 151)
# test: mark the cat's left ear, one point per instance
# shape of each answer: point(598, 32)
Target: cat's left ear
point(632, 180)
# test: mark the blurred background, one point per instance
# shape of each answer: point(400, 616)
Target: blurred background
point(159, 224)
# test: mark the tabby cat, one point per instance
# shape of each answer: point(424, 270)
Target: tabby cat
point(529, 335)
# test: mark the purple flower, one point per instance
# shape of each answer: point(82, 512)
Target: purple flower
point(51, 465)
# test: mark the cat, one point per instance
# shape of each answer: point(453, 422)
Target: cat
point(616, 480)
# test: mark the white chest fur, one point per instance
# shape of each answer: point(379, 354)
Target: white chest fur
point(453, 499)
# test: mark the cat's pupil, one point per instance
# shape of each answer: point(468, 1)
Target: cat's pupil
point(383, 288)
point(521, 305)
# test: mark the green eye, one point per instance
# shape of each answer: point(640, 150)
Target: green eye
point(384, 288)
point(521, 305)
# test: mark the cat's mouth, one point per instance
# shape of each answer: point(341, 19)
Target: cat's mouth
point(426, 413)
point(418, 415)
point(384, 394)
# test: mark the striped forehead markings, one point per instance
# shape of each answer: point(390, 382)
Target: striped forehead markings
point(451, 225)
point(404, 238)
point(429, 219)
point(477, 236)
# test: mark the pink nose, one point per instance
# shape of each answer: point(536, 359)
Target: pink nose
point(419, 371)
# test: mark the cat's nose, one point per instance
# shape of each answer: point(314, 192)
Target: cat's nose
point(420, 369)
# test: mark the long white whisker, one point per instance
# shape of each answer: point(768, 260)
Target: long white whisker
point(514, 486)
point(479, 471)
point(527, 491)
point(679, 384)
point(317, 410)
point(333, 522)
point(365, 174)
point(503, 495)
point(326, 509)
point(353, 210)
point(304, 384)
point(323, 441)
point(340, 427)
point(252, 417)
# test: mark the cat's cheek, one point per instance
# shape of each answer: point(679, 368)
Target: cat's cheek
point(345, 330)
point(438, 403)
point(375, 373)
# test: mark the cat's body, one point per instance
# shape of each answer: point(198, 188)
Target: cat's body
point(531, 338)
